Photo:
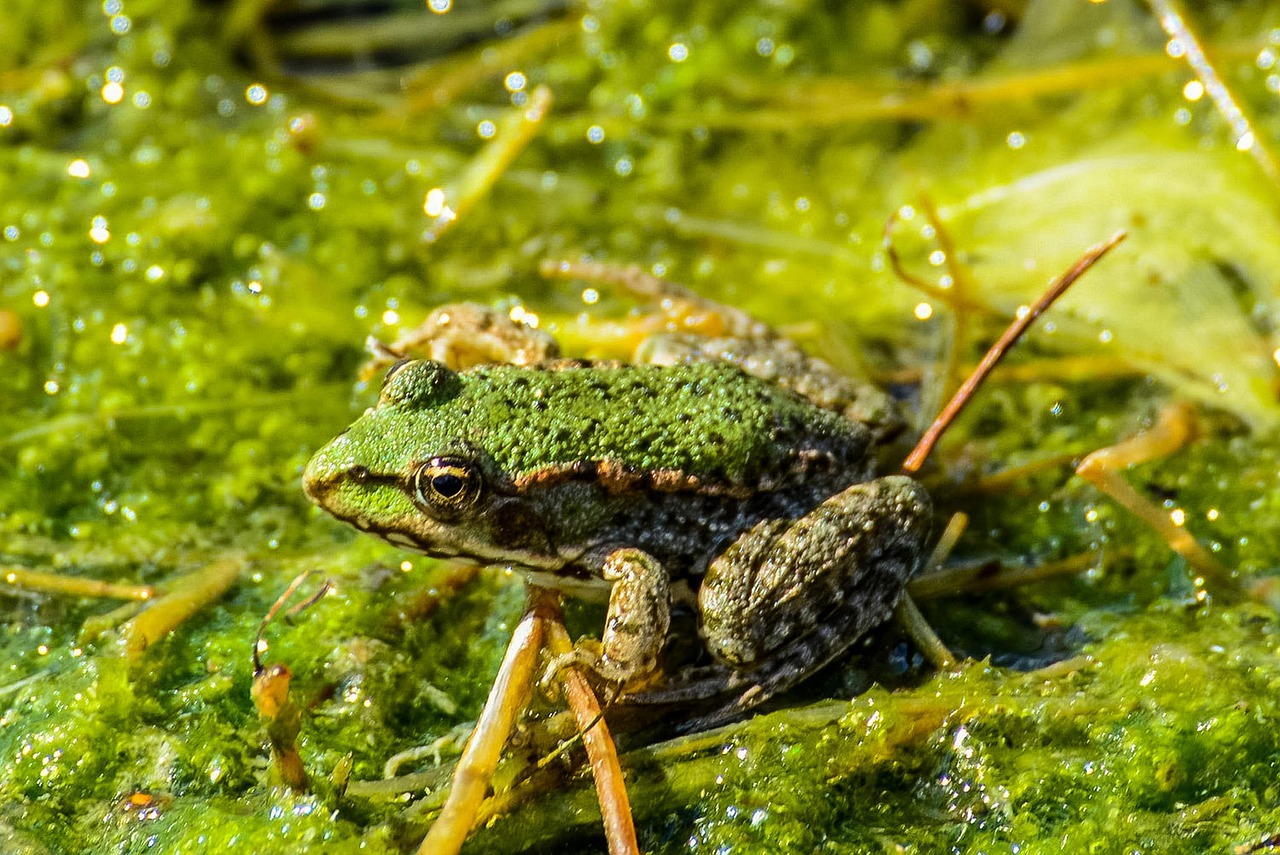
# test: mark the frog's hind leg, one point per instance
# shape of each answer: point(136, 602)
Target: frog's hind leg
point(781, 361)
point(709, 331)
point(790, 596)
point(463, 335)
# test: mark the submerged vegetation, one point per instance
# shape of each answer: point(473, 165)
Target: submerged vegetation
point(206, 208)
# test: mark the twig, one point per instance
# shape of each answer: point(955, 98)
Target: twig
point(1174, 429)
point(982, 576)
point(611, 790)
point(58, 583)
point(185, 597)
point(514, 132)
point(1242, 133)
point(475, 768)
point(993, 356)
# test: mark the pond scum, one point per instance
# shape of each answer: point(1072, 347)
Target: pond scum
point(206, 208)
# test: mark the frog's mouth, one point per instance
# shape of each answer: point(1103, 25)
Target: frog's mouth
point(418, 534)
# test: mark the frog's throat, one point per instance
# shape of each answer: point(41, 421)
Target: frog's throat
point(496, 556)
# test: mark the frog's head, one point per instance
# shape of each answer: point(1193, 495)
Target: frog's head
point(409, 471)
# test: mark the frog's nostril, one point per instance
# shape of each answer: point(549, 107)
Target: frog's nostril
point(313, 488)
point(358, 474)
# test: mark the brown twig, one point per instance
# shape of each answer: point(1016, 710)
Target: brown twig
point(611, 790)
point(475, 768)
point(997, 351)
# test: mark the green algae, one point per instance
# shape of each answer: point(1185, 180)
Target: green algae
point(195, 266)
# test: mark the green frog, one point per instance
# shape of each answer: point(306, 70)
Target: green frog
point(731, 468)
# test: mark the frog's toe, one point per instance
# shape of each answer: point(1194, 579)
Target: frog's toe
point(586, 658)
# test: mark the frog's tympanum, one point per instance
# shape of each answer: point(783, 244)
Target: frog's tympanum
point(737, 465)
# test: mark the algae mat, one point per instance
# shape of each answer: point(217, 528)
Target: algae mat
point(206, 208)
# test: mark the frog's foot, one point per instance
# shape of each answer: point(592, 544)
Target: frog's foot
point(609, 679)
point(463, 335)
point(635, 628)
point(586, 658)
point(672, 308)
point(675, 302)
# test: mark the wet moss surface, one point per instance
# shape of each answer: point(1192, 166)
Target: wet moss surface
point(205, 209)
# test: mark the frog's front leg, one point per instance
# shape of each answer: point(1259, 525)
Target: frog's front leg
point(790, 595)
point(637, 621)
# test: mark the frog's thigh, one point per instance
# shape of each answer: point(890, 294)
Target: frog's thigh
point(832, 574)
point(768, 357)
point(638, 618)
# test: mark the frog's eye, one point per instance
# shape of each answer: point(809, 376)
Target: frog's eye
point(419, 383)
point(395, 369)
point(446, 484)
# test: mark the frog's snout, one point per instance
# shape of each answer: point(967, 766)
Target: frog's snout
point(324, 471)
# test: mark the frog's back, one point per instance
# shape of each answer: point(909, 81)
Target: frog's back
point(697, 426)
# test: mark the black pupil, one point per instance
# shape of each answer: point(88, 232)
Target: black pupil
point(447, 485)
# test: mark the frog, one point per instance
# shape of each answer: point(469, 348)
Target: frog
point(727, 469)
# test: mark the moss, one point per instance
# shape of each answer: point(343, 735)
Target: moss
point(193, 268)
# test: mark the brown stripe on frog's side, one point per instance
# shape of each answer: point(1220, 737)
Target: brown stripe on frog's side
point(617, 477)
